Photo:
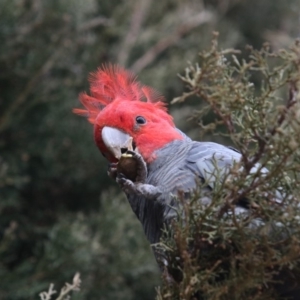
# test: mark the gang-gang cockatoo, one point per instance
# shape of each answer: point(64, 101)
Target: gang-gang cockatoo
point(131, 124)
point(152, 160)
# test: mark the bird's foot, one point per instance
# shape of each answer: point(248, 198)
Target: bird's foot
point(112, 170)
point(140, 189)
point(141, 166)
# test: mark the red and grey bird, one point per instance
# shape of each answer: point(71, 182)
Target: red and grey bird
point(131, 120)
point(151, 159)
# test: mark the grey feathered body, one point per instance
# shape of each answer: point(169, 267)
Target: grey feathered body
point(178, 167)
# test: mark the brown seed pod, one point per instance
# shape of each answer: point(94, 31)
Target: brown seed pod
point(128, 166)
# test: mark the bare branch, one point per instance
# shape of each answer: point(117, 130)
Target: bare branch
point(163, 44)
point(75, 286)
point(138, 16)
point(47, 295)
point(99, 21)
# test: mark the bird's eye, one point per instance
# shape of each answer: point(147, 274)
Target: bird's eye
point(140, 120)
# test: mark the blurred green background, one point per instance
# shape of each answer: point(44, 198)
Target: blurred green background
point(59, 212)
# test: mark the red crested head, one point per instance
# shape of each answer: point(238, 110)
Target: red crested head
point(119, 101)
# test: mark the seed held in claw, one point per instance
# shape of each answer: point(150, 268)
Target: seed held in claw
point(127, 165)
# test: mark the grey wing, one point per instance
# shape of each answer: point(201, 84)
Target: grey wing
point(211, 161)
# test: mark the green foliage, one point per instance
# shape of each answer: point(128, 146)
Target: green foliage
point(254, 254)
point(93, 244)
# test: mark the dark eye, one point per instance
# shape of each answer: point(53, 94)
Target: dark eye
point(140, 120)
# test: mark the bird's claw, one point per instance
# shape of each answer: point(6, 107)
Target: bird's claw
point(141, 189)
point(141, 166)
point(112, 170)
point(126, 184)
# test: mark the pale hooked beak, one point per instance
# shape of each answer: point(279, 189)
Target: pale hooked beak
point(116, 141)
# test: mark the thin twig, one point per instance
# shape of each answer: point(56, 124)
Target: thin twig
point(75, 286)
point(172, 39)
point(141, 8)
point(99, 21)
point(47, 295)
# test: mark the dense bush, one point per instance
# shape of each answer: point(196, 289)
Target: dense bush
point(254, 254)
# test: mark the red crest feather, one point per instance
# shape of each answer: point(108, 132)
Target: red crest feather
point(112, 83)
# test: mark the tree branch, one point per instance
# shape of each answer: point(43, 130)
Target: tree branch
point(137, 18)
point(163, 44)
point(90, 24)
